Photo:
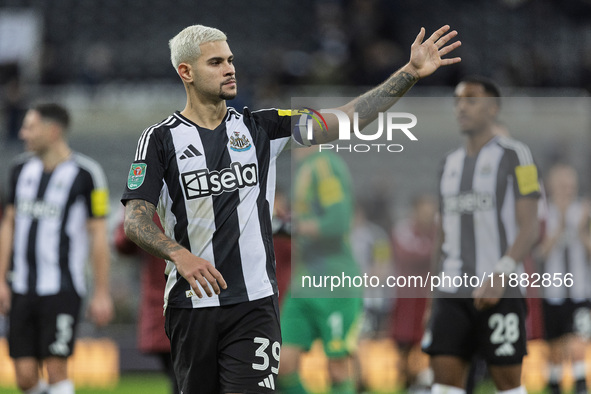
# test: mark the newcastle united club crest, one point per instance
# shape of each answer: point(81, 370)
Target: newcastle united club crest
point(239, 143)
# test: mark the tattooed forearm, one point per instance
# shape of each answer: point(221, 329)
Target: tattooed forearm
point(141, 229)
point(385, 95)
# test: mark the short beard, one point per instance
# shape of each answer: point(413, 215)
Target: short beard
point(227, 96)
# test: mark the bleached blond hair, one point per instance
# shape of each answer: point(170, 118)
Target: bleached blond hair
point(184, 47)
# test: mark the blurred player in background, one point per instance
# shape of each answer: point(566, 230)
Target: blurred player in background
point(210, 170)
point(565, 250)
point(151, 335)
point(55, 217)
point(413, 241)
point(371, 248)
point(489, 192)
point(323, 216)
point(534, 324)
point(281, 223)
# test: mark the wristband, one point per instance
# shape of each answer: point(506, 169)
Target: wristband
point(505, 265)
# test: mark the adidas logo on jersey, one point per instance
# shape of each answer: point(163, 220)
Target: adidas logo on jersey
point(268, 382)
point(191, 151)
point(202, 183)
point(506, 349)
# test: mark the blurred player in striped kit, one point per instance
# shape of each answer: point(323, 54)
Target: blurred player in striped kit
point(565, 250)
point(55, 218)
point(210, 170)
point(489, 192)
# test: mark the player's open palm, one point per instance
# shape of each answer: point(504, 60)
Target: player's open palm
point(427, 56)
point(197, 270)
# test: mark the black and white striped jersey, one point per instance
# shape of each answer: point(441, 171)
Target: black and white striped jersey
point(51, 241)
point(568, 256)
point(214, 190)
point(477, 202)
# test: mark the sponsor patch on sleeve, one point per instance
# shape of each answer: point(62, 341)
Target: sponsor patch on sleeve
point(527, 179)
point(137, 174)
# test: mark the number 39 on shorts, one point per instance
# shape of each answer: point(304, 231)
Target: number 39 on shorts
point(262, 353)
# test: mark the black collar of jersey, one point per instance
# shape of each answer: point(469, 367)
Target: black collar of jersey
point(229, 112)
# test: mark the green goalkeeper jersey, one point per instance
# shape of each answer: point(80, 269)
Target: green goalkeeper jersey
point(323, 194)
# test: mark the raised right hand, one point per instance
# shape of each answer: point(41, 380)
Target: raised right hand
point(426, 56)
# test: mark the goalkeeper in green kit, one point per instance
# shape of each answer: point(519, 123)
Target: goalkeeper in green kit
point(323, 214)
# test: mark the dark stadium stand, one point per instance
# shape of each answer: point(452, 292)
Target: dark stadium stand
point(521, 43)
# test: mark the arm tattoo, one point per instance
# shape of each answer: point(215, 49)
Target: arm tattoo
point(385, 95)
point(141, 229)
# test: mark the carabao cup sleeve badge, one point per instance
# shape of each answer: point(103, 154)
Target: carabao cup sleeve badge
point(137, 174)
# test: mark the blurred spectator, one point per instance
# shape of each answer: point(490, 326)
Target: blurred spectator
point(13, 100)
point(53, 70)
point(281, 223)
point(333, 53)
point(97, 66)
point(377, 205)
point(14, 108)
point(379, 58)
point(152, 338)
point(413, 242)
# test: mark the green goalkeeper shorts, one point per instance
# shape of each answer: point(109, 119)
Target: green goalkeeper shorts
point(335, 321)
